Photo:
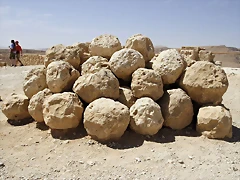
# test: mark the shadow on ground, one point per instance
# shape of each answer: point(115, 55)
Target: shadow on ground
point(131, 139)
point(20, 122)
point(235, 135)
point(69, 134)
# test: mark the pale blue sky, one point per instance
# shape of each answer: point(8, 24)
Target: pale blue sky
point(172, 23)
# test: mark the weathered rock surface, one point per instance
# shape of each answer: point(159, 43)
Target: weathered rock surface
point(126, 96)
point(35, 81)
point(189, 56)
point(35, 104)
point(177, 109)
point(100, 84)
point(62, 110)
point(147, 83)
point(82, 51)
point(124, 62)
point(61, 76)
point(214, 122)
point(104, 45)
point(146, 116)
point(94, 64)
point(106, 119)
point(141, 44)
point(70, 54)
point(169, 64)
point(15, 107)
point(205, 55)
point(204, 82)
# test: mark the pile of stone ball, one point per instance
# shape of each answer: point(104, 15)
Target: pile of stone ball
point(109, 87)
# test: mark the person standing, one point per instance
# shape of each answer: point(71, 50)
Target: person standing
point(12, 48)
point(18, 52)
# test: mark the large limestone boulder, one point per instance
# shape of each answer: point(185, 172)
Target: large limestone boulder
point(205, 55)
point(204, 82)
point(189, 56)
point(55, 51)
point(62, 110)
point(106, 119)
point(82, 50)
point(146, 116)
point(169, 64)
point(94, 64)
point(61, 76)
point(35, 81)
point(104, 45)
point(35, 104)
point(147, 83)
point(177, 109)
point(15, 107)
point(100, 84)
point(214, 122)
point(142, 44)
point(70, 54)
point(124, 62)
point(126, 96)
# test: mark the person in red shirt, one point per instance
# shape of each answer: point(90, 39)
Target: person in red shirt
point(18, 52)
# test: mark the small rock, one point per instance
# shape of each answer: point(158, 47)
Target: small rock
point(66, 142)
point(180, 162)
point(33, 158)
point(235, 169)
point(190, 157)
point(184, 166)
point(81, 162)
point(170, 161)
point(2, 164)
point(153, 150)
point(91, 163)
point(90, 142)
point(138, 159)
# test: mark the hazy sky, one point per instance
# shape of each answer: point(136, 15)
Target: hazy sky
point(173, 23)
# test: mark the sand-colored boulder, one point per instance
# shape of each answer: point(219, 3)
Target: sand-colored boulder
point(61, 76)
point(169, 64)
point(177, 109)
point(204, 82)
point(70, 54)
point(126, 96)
point(104, 45)
point(124, 62)
point(141, 44)
point(146, 116)
point(15, 107)
point(35, 104)
point(106, 119)
point(147, 83)
point(62, 110)
point(94, 64)
point(82, 50)
point(189, 56)
point(100, 84)
point(35, 81)
point(205, 55)
point(214, 122)
point(54, 51)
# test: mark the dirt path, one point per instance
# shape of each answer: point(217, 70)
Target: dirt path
point(29, 152)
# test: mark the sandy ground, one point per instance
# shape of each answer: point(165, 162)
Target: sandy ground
point(34, 152)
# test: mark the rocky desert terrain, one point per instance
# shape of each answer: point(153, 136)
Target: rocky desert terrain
point(33, 150)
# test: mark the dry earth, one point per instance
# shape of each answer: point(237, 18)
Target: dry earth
point(33, 152)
